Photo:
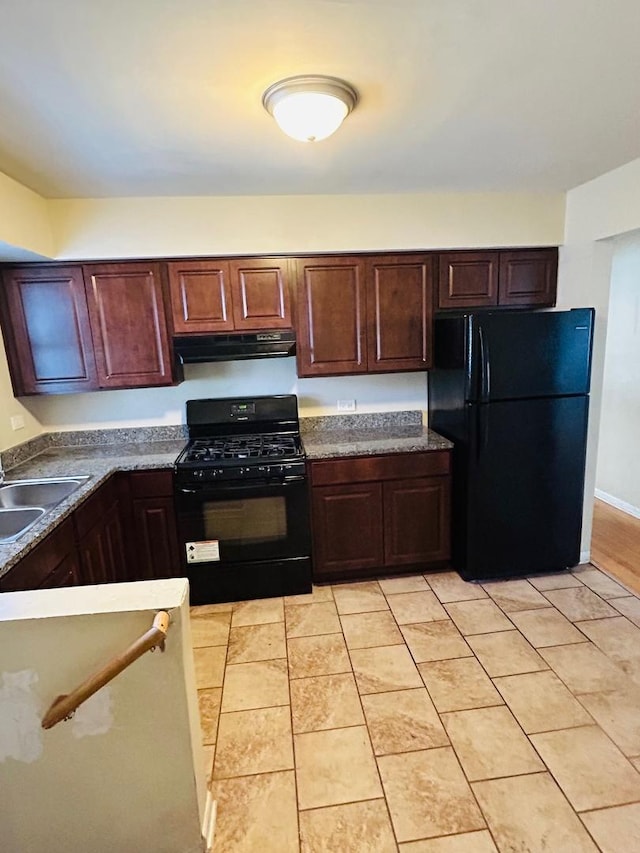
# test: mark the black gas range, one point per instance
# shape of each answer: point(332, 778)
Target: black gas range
point(242, 500)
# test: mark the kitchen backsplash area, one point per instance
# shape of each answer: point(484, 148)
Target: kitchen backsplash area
point(166, 406)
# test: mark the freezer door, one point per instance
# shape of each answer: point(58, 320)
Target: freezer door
point(522, 354)
point(525, 479)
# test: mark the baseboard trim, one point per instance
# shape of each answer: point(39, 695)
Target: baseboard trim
point(630, 509)
point(209, 822)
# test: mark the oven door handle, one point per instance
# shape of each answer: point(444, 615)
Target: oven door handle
point(219, 488)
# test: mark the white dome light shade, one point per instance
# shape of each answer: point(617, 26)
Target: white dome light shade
point(309, 108)
point(309, 116)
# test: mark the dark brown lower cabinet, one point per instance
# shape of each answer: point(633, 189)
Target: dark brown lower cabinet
point(154, 536)
point(52, 563)
point(347, 527)
point(416, 521)
point(67, 573)
point(102, 550)
point(100, 536)
point(123, 531)
point(380, 514)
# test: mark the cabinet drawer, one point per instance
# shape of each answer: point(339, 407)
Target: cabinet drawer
point(359, 469)
point(151, 484)
point(95, 507)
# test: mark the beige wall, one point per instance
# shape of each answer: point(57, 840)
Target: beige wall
point(11, 407)
point(25, 234)
point(596, 212)
point(605, 207)
point(149, 406)
point(127, 772)
point(147, 227)
point(25, 224)
point(618, 467)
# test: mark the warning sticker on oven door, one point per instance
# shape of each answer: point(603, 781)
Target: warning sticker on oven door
point(203, 552)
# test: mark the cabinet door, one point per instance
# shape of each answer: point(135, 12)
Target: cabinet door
point(157, 541)
point(331, 306)
point(47, 333)
point(399, 313)
point(528, 277)
point(114, 544)
point(347, 528)
point(468, 279)
point(32, 571)
point(67, 573)
point(416, 520)
point(200, 296)
point(260, 288)
point(128, 324)
point(92, 550)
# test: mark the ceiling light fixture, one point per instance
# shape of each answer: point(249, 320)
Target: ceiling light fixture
point(310, 107)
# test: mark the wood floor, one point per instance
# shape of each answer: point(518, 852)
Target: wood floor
point(615, 544)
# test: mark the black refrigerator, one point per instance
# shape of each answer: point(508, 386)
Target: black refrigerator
point(511, 390)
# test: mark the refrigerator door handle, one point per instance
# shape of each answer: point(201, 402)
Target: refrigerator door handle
point(485, 368)
point(482, 434)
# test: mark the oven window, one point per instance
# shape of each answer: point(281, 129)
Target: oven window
point(248, 521)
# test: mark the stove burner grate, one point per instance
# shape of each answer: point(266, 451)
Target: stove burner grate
point(253, 447)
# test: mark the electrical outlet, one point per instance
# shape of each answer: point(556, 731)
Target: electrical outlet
point(17, 422)
point(346, 405)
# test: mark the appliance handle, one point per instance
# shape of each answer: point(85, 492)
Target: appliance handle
point(219, 488)
point(482, 434)
point(485, 367)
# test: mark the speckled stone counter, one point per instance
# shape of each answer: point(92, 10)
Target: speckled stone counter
point(98, 461)
point(100, 453)
point(369, 435)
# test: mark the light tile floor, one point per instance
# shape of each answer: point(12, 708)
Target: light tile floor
point(425, 714)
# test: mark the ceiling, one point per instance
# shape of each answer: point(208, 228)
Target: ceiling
point(163, 97)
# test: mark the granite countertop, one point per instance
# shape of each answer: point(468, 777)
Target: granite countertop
point(100, 453)
point(370, 442)
point(369, 435)
point(97, 461)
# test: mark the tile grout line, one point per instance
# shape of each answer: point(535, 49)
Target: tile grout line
point(375, 757)
point(569, 728)
point(438, 713)
point(293, 740)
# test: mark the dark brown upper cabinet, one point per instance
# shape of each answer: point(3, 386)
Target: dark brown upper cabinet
point(364, 314)
point(331, 303)
point(260, 293)
point(468, 279)
point(229, 295)
point(200, 296)
point(399, 312)
point(47, 333)
point(518, 277)
point(528, 277)
point(129, 327)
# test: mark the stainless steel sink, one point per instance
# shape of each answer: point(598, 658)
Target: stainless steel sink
point(44, 493)
point(15, 522)
point(23, 502)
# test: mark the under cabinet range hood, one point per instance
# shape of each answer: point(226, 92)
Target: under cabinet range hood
point(276, 343)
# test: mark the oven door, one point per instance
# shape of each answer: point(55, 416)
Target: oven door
point(243, 522)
